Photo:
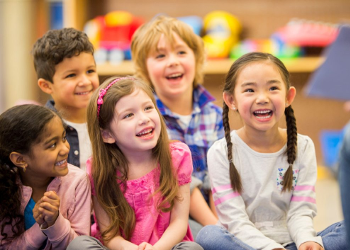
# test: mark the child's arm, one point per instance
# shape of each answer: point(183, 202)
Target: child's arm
point(117, 242)
point(199, 209)
point(31, 239)
point(64, 230)
point(177, 228)
point(302, 207)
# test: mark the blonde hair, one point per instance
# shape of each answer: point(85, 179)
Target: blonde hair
point(108, 158)
point(146, 38)
point(230, 84)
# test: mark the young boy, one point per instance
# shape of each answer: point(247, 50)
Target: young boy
point(170, 56)
point(66, 69)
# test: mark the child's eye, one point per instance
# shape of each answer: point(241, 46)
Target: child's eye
point(274, 88)
point(52, 145)
point(70, 75)
point(149, 108)
point(249, 90)
point(91, 71)
point(128, 115)
point(160, 56)
point(182, 52)
point(64, 139)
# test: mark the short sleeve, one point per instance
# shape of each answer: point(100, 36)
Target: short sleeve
point(89, 172)
point(182, 161)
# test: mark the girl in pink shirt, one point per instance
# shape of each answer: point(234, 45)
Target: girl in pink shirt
point(45, 202)
point(140, 181)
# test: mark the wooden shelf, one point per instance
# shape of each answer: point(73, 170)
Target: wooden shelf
point(219, 66)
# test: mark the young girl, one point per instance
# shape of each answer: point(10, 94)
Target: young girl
point(44, 201)
point(263, 177)
point(169, 56)
point(140, 181)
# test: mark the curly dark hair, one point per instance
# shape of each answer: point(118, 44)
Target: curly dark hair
point(56, 45)
point(20, 128)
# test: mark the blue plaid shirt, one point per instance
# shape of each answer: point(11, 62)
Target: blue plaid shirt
point(204, 128)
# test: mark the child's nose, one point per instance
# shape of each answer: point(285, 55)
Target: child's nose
point(65, 148)
point(173, 60)
point(262, 98)
point(84, 80)
point(144, 120)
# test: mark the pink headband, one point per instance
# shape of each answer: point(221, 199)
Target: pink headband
point(104, 91)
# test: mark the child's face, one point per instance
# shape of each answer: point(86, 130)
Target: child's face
point(48, 158)
point(260, 96)
point(136, 124)
point(74, 81)
point(171, 68)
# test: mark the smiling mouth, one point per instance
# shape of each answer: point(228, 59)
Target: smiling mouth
point(145, 132)
point(174, 76)
point(60, 163)
point(83, 93)
point(263, 114)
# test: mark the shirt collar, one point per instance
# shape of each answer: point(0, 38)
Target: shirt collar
point(200, 98)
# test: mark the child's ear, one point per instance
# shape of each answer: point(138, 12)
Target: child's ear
point(18, 160)
point(290, 96)
point(45, 86)
point(229, 100)
point(107, 137)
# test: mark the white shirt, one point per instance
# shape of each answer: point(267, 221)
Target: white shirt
point(85, 150)
point(262, 216)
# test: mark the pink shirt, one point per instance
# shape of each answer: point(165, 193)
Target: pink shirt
point(150, 223)
point(73, 220)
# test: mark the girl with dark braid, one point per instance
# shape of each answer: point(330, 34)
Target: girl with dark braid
point(263, 176)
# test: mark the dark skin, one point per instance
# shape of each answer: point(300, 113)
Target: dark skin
point(46, 210)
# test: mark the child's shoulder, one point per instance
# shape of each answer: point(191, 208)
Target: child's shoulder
point(178, 146)
point(75, 173)
point(304, 142)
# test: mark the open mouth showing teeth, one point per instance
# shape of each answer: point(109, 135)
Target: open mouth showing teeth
point(83, 93)
point(263, 113)
point(145, 133)
point(60, 163)
point(174, 76)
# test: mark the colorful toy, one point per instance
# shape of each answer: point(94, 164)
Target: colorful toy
point(222, 31)
point(112, 33)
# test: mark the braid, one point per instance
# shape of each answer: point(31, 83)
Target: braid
point(234, 175)
point(291, 147)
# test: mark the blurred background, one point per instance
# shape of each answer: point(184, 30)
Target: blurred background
point(297, 31)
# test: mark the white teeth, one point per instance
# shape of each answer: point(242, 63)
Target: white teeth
point(175, 75)
point(262, 111)
point(60, 163)
point(145, 132)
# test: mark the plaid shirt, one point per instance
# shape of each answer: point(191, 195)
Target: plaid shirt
point(204, 128)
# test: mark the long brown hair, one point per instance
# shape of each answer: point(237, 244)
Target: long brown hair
point(108, 158)
point(146, 38)
point(229, 88)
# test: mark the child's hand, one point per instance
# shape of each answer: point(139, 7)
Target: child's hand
point(310, 245)
point(37, 215)
point(145, 246)
point(49, 208)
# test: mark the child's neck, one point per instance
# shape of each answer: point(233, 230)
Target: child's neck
point(182, 105)
point(263, 142)
point(75, 115)
point(140, 164)
point(38, 185)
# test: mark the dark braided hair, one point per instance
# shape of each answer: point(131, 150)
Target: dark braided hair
point(20, 127)
point(230, 83)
